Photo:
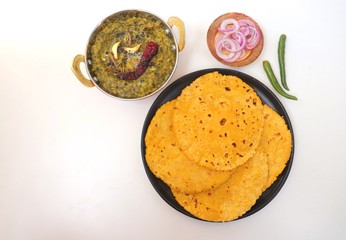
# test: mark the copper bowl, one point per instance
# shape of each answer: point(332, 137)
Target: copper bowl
point(127, 91)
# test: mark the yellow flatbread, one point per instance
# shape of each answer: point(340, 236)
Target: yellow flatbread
point(217, 147)
point(218, 121)
point(167, 162)
point(231, 199)
point(276, 143)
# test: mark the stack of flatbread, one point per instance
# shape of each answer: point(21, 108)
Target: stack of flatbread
point(217, 147)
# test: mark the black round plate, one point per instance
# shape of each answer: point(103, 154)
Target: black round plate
point(173, 91)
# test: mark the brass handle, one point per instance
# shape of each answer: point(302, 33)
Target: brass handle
point(175, 21)
point(78, 73)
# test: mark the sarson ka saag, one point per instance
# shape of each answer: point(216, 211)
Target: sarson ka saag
point(132, 54)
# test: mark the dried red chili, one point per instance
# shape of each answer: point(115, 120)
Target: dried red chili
point(149, 52)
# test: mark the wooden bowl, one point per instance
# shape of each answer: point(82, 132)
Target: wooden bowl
point(213, 32)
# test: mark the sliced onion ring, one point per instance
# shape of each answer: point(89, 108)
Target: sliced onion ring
point(220, 49)
point(230, 21)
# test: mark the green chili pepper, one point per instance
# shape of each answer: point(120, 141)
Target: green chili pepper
point(281, 55)
point(271, 76)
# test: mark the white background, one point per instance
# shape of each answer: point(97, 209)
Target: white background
point(70, 161)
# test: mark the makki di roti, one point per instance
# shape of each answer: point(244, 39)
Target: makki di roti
point(222, 114)
point(167, 162)
point(262, 139)
point(233, 198)
point(276, 143)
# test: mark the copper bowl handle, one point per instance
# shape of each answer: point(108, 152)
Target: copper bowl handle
point(175, 21)
point(78, 73)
